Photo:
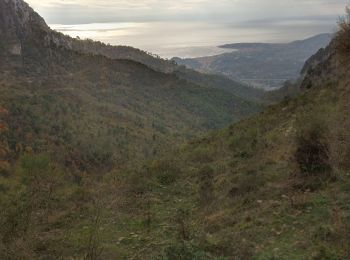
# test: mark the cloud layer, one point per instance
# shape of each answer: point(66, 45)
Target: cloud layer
point(92, 11)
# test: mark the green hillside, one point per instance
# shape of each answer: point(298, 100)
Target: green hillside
point(98, 158)
point(93, 111)
point(158, 64)
point(274, 186)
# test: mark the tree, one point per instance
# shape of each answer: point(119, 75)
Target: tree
point(342, 38)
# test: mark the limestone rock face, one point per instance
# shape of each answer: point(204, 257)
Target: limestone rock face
point(323, 68)
point(23, 32)
point(17, 24)
point(18, 15)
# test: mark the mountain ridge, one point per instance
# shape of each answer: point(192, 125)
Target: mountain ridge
point(38, 63)
point(113, 52)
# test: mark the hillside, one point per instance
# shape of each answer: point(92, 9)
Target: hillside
point(158, 64)
point(96, 161)
point(262, 65)
point(110, 110)
point(274, 186)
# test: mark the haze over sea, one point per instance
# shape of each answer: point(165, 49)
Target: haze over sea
point(183, 29)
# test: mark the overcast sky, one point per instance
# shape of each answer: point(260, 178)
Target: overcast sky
point(170, 26)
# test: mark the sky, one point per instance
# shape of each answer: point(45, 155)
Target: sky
point(190, 28)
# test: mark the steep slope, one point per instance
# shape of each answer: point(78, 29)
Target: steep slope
point(261, 65)
point(103, 111)
point(275, 186)
point(114, 52)
point(166, 66)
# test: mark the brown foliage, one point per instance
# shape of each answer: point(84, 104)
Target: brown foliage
point(3, 127)
point(3, 111)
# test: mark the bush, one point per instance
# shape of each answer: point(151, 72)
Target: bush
point(166, 171)
point(312, 154)
point(35, 168)
point(206, 189)
point(343, 35)
point(324, 252)
point(340, 141)
point(246, 183)
point(245, 143)
point(183, 251)
point(4, 169)
point(202, 154)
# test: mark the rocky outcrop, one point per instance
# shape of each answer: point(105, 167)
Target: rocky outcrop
point(21, 26)
point(17, 21)
point(322, 68)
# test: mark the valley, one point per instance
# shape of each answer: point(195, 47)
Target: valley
point(108, 152)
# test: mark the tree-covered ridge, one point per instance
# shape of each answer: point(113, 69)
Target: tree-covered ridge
point(158, 64)
point(99, 102)
point(95, 109)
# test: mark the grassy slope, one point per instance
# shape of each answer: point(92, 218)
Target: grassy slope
point(253, 208)
point(234, 194)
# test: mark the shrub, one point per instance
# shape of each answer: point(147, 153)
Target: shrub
point(182, 218)
point(202, 154)
point(324, 252)
point(4, 169)
point(183, 251)
point(312, 154)
point(245, 143)
point(245, 183)
point(35, 168)
point(343, 35)
point(166, 171)
point(324, 233)
point(139, 182)
point(206, 189)
point(340, 141)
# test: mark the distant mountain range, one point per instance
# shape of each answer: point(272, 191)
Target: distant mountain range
point(261, 65)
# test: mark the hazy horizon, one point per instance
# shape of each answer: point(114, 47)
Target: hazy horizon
point(190, 28)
